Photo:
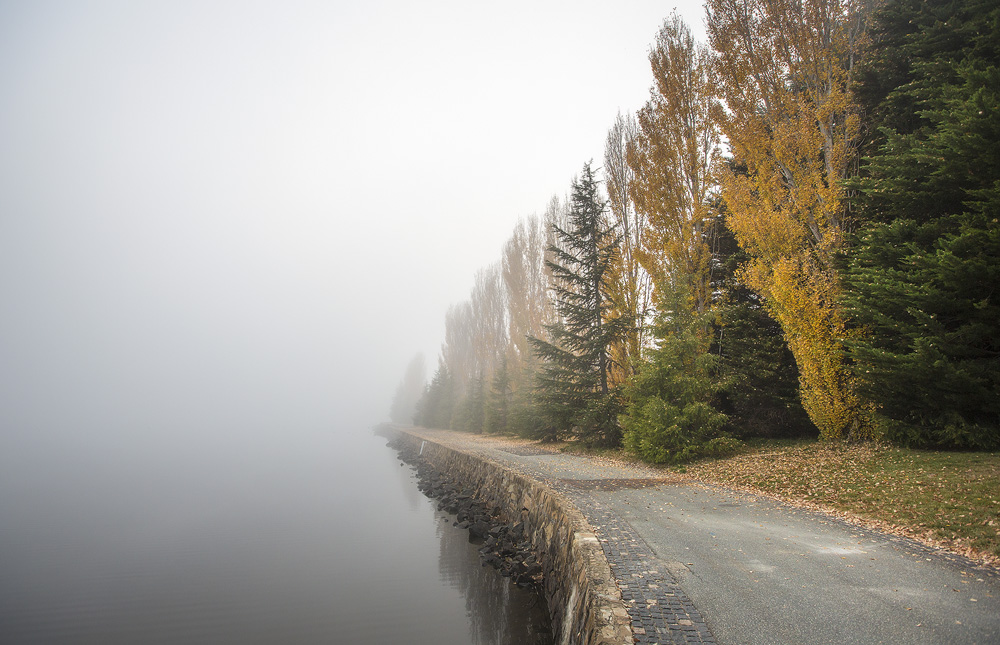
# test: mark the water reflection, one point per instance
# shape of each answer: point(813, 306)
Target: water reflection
point(499, 611)
point(407, 480)
point(309, 541)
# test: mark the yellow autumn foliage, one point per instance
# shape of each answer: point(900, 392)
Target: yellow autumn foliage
point(673, 157)
point(784, 74)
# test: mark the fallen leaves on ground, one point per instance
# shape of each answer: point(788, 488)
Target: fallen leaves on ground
point(948, 500)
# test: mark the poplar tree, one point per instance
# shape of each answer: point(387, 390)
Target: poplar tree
point(525, 285)
point(670, 415)
point(785, 74)
point(674, 157)
point(574, 395)
point(630, 286)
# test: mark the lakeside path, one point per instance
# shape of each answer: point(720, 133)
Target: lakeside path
point(699, 563)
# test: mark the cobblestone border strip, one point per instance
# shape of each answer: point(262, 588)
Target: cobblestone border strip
point(659, 611)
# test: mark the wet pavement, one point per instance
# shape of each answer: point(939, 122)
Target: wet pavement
point(703, 564)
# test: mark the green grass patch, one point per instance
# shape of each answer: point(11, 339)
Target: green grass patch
point(950, 499)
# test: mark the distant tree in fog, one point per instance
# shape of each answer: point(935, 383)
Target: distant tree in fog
point(409, 391)
point(437, 405)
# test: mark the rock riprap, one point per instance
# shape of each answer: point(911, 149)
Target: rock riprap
point(505, 545)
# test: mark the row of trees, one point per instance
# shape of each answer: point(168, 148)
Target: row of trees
point(832, 273)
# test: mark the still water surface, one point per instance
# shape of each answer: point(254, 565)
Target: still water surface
point(315, 540)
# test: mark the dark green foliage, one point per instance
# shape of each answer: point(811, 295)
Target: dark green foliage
point(761, 384)
point(924, 274)
point(932, 331)
point(511, 406)
point(760, 393)
point(563, 388)
point(523, 418)
point(572, 394)
point(913, 54)
point(670, 417)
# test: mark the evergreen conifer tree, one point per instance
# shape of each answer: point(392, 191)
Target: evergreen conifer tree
point(408, 392)
point(437, 405)
point(498, 401)
point(670, 417)
point(470, 413)
point(924, 274)
point(573, 393)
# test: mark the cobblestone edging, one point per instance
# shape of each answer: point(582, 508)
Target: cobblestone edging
point(585, 603)
point(660, 611)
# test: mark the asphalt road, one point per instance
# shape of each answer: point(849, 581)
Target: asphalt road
point(760, 571)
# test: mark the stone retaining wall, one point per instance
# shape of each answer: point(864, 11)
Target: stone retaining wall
point(585, 604)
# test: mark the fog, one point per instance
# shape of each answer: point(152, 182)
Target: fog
point(237, 221)
point(225, 230)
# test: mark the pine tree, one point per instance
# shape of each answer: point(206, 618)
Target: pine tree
point(574, 396)
point(498, 401)
point(470, 412)
point(924, 274)
point(670, 417)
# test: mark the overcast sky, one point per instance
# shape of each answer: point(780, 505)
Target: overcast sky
point(218, 217)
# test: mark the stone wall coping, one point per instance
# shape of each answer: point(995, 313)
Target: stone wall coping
point(602, 607)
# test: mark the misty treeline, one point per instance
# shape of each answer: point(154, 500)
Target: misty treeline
point(796, 235)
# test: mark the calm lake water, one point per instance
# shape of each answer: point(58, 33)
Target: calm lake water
point(314, 540)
